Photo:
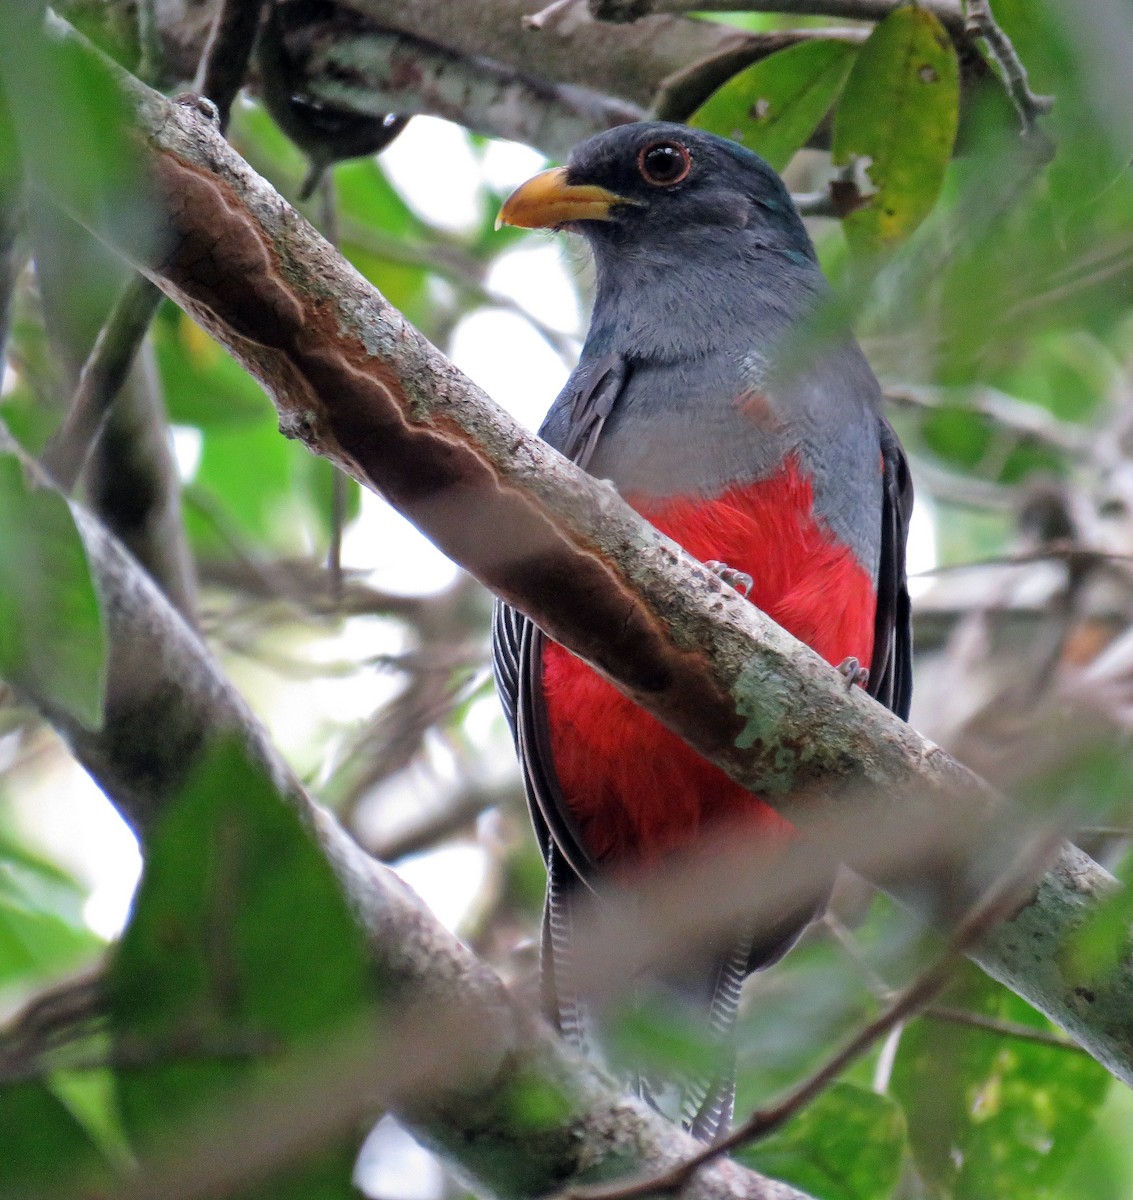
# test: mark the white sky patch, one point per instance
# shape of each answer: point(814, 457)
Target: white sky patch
point(391, 1163)
point(433, 166)
point(63, 812)
point(8, 379)
point(188, 445)
point(511, 361)
point(400, 558)
point(922, 551)
point(508, 164)
point(535, 277)
point(447, 879)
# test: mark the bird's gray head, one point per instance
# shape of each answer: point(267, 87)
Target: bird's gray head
point(677, 217)
point(658, 185)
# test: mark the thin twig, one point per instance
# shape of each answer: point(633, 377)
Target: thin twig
point(1074, 555)
point(552, 11)
point(1001, 901)
point(980, 23)
point(100, 380)
point(224, 61)
point(1013, 1029)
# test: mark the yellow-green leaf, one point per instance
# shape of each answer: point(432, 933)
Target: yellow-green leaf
point(774, 106)
point(899, 110)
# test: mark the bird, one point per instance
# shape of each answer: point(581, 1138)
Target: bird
point(703, 395)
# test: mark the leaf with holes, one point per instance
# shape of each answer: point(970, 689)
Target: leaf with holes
point(774, 106)
point(899, 111)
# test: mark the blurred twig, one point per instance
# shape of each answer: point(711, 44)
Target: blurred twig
point(997, 1025)
point(1023, 419)
point(100, 380)
point(1000, 902)
point(456, 814)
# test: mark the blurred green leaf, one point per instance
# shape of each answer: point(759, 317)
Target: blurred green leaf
point(55, 1149)
point(42, 932)
point(72, 123)
point(899, 109)
point(246, 480)
point(774, 106)
point(846, 1145)
point(1103, 1166)
point(241, 946)
point(202, 384)
point(52, 640)
point(990, 1115)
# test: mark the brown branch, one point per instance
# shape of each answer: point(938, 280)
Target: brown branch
point(980, 23)
point(356, 383)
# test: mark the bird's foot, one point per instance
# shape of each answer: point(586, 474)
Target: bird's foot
point(853, 672)
point(740, 580)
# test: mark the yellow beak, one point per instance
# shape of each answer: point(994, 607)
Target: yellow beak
point(547, 200)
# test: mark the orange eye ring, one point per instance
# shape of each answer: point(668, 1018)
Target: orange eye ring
point(664, 164)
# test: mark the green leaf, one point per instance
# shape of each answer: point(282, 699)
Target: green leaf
point(991, 1115)
point(72, 122)
point(45, 1147)
point(41, 925)
point(52, 640)
point(846, 1145)
point(241, 948)
point(899, 109)
point(774, 106)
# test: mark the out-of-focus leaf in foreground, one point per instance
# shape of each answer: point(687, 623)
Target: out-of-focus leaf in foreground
point(41, 926)
point(991, 1115)
point(847, 1145)
point(52, 640)
point(241, 947)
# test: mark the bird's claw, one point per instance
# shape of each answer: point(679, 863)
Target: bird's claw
point(853, 672)
point(740, 580)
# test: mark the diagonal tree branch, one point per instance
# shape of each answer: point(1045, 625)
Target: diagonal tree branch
point(356, 383)
point(166, 703)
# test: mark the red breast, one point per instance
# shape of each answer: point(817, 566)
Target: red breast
point(635, 789)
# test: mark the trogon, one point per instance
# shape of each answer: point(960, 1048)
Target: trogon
point(714, 394)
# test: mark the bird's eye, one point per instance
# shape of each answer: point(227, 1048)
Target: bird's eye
point(664, 163)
